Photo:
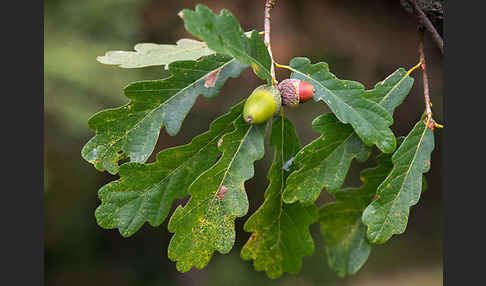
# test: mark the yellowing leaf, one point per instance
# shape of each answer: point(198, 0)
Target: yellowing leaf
point(145, 192)
point(206, 223)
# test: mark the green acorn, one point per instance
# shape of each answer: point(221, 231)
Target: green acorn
point(262, 104)
point(295, 91)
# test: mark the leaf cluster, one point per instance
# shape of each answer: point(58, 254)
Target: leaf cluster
point(212, 169)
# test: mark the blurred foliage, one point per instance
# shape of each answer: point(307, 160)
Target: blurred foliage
point(75, 33)
point(358, 41)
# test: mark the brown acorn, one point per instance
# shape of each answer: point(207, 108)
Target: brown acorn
point(295, 91)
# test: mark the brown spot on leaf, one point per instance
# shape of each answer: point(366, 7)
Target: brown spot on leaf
point(220, 141)
point(252, 237)
point(221, 192)
point(211, 78)
point(376, 197)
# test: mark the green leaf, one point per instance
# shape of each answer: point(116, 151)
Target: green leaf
point(392, 91)
point(345, 241)
point(280, 231)
point(149, 54)
point(345, 99)
point(388, 214)
point(218, 197)
point(324, 162)
point(223, 34)
point(145, 192)
point(131, 131)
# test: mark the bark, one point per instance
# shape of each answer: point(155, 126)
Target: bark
point(434, 9)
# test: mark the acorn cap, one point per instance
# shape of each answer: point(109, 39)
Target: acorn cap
point(289, 91)
point(295, 91)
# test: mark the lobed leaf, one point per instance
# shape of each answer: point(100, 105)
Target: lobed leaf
point(345, 99)
point(280, 232)
point(149, 54)
point(392, 91)
point(131, 131)
point(206, 223)
point(345, 241)
point(388, 214)
point(145, 192)
point(223, 34)
point(325, 162)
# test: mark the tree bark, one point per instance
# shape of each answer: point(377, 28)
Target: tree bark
point(433, 9)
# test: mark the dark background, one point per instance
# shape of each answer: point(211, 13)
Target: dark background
point(361, 40)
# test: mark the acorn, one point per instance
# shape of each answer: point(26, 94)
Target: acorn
point(295, 91)
point(262, 104)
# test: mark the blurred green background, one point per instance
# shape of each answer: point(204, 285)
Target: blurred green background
point(361, 40)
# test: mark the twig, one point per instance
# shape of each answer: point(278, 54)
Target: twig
point(427, 24)
point(428, 110)
point(269, 4)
